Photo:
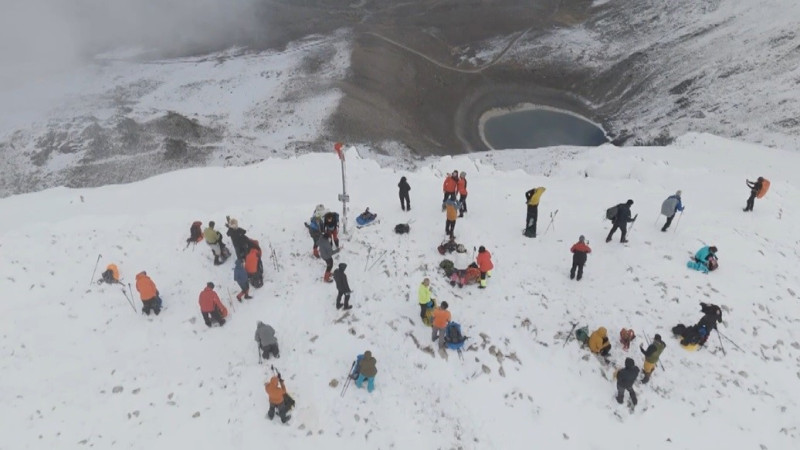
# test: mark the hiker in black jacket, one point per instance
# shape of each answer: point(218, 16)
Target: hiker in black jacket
point(342, 286)
point(755, 188)
point(621, 221)
point(241, 243)
point(625, 379)
point(405, 200)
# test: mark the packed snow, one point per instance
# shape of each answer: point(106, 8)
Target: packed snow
point(82, 369)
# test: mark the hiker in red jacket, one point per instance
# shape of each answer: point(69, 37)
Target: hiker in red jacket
point(485, 265)
point(211, 307)
point(462, 192)
point(450, 186)
point(579, 253)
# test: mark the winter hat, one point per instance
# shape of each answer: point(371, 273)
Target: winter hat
point(211, 224)
point(481, 249)
point(367, 354)
point(678, 193)
point(629, 363)
point(463, 174)
point(210, 285)
point(444, 305)
point(342, 266)
point(234, 224)
point(657, 337)
point(581, 238)
point(713, 249)
point(629, 202)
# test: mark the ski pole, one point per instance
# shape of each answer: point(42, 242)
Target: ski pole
point(348, 379)
point(658, 364)
point(633, 222)
point(720, 343)
point(378, 259)
point(129, 300)
point(369, 250)
point(130, 290)
point(729, 340)
point(656, 222)
point(95, 268)
point(677, 222)
point(552, 218)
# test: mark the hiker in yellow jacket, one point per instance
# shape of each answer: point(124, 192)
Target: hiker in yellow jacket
point(426, 301)
point(532, 200)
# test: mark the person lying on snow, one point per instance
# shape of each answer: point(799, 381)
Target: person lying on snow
point(469, 275)
point(110, 275)
point(705, 260)
point(698, 334)
point(450, 246)
point(366, 217)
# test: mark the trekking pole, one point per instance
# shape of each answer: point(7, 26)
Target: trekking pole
point(258, 344)
point(95, 268)
point(656, 222)
point(569, 336)
point(719, 335)
point(130, 290)
point(366, 263)
point(729, 340)
point(552, 218)
point(378, 259)
point(273, 255)
point(633, 222)
point(230, 298)
point(129, 300)
point(348, 379)
point(677, 222)
point(658, 363)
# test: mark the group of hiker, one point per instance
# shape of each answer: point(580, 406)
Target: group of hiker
point(454, 184)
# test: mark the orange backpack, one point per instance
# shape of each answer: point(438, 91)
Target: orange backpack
point(764, 188)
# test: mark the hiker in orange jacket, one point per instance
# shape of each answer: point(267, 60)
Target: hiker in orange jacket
point(579, 250)
point(462, 192)
point(211, 307)
point(148, 293)
point(452, 214)
point(276, 391)
point(450, 187)
point(441, 317)
point(484, 260)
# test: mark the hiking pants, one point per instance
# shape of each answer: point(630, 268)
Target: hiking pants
point(370, 382)
point(269, 349)
point(579, 267)
point(328, 265)
point(621, 394)
point(154, 304)
point(750, 201)
point(215, 314)
point(449, 227)
point(463, 201)
point(405, 201)
point(438, 335)
point(450, 196)
point(623, 228)
point(668, 223)
point(281, 408)
point(532, 218)
point(423, 308)
point(346, 296)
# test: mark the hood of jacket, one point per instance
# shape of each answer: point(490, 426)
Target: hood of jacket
point(629, 364)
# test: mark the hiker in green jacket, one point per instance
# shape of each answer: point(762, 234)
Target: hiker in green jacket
point(651, 356)
point(425, 298)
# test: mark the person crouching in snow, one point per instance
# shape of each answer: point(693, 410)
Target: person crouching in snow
point(704, 260)
point(599, 343)
point(366, 370)
point(148, 293)
point(241, 278)
point(211, 307)
point(326, 252)
point(580, 251)
point(484, 260)
point(625, 379)
point(267, 342)
point(626, 336)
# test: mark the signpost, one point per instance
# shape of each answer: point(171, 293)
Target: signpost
point(343, 197)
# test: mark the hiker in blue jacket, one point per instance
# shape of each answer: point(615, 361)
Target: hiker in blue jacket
point(669, 207)
point(241, 278)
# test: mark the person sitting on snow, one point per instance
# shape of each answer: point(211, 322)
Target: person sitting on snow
point(704, 260)
point(599, 343)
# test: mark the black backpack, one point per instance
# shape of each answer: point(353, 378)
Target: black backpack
point(402, 228)
point(611, 213)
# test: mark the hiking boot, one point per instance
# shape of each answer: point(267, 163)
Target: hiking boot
point(663, 230)
point(619, 400)
point(646, 378)
point(285, 419)
point(579, 277)
point(572, 276)
point(623, 241)
point(348, 307)
point(248, 297)
point(608, 239)
point(338, 306)
point(480, 286)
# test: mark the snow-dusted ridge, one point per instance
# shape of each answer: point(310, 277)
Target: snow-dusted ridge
point(68, 345)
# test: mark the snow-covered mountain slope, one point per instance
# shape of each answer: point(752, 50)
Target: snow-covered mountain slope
point(81, 369)
point(121, 120)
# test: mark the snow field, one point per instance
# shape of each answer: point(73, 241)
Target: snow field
point(67, 347)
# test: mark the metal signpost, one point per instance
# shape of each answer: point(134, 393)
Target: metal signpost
point(343, 197)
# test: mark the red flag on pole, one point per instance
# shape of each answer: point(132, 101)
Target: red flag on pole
point(338, 148)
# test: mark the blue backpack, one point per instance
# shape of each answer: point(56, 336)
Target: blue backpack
point(453, 338)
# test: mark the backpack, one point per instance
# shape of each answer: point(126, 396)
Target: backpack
point(582, 334)
point(453, 336)
point(764, 188)
point(447, 266)
point(669, 206)
point(195, 233)
point(402, 228)
point(611, 213)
